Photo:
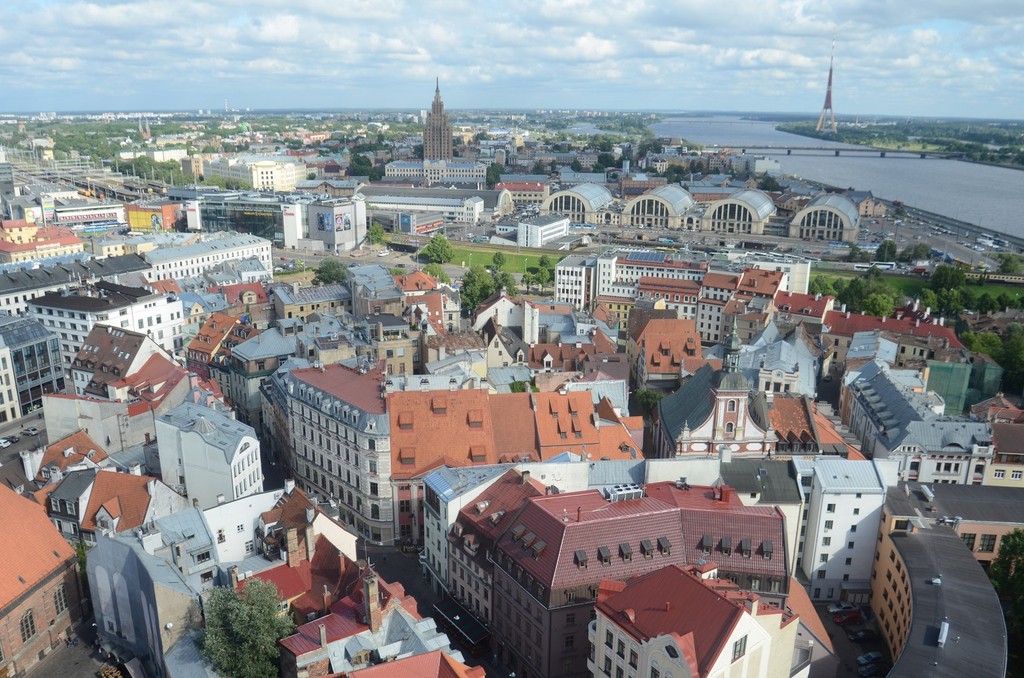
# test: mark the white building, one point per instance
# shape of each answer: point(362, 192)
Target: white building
point(437, 171)
point(207, 455)
point(192, 260)
point(267, 173)
point(453, 210)
point(71, 315)
point(575, 280)
point(539, 231)
point(844, 501)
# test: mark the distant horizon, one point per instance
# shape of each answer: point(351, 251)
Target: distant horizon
point(214, 113)
point(919, 59)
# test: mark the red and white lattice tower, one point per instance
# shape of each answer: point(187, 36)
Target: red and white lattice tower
point(826, 111)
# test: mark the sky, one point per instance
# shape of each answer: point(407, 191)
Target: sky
point(892, 57)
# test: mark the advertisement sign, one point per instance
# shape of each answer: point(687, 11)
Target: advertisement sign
point(342, 222)
point(323, 221)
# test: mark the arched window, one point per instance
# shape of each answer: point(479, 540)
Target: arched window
point(374, 512)
point(729, 427)
point(28, 626)
point(731, 407)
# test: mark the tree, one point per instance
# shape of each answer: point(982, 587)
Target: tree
point(821, 285)
point(436, 271)
point(1009, 264)
point(529, 280)
point(242, 630)
point(576, 165)
point(854, 254)
point(951, 302)
point(543, 277)
point(946, 277)
point(477, 285)
point(439, 250)
point(519, 387)
point(928, 299)
point(504, 280)
point(498, 261)
point(545, 262)
point(539, 168)
point(767, 182)
point(886, 251)
point(648, 401)
point(877, 303)
point(493, 174)
point(330, 270)
point(376, 233)
point(1007, 575)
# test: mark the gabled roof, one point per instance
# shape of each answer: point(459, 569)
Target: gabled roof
point(71, 450)
point(123, 495)
point(691, 405)
point(209, 337)
point(417, 281)
point(233, 293)
point(34, 549)
point(672, 601)
point(435, 664)
point(108, 352)
point(1008, 438)
point(847, 324)
point(668, 344)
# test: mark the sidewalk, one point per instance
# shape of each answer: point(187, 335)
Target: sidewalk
point(78, 661)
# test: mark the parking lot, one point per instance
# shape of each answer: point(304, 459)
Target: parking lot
point(847, 650)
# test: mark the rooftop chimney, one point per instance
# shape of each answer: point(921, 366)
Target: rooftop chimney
point(371, 598)
point(525, 477)
point(323, 634)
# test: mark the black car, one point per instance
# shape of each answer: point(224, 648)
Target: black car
point(13, 439)
point(863, 635)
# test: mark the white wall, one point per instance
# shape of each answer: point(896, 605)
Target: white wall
point(238, 520)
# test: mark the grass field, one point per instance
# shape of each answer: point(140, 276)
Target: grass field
point(911, 286)
point(515, 263)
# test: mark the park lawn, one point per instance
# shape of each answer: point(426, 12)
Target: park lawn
point(911, 285)
point(515, 263)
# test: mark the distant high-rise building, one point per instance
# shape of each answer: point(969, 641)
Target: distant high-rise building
point(437, 132)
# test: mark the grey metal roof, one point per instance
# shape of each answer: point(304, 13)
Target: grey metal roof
point(74, 484)
point(187, 527)
point(847, 476)
point(776, 481)
point(216, 428)
point(871, 344)
point(951, 436)
point(676, 196)
point(691, 405)
point(186, 660)
point(976, 645)
point(835, 202)
point(973, 503)
point(375, 193)
point(267, 344)
point(314, 293)
point(758, 202)
point(450, 482)
point(51, 276)
point(616, 472)
point(595, 195)
point(891, 405)
point(217, 242)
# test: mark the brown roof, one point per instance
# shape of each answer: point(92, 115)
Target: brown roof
point(348, 384)
point(434, 664)
point(235, 294)
point(33, 548)
point(725, 281)
point(165, 286)
point(791, 419)
point(675, 601)
point(1008, 438)
point(763, 283)
point(70, 450)
point(668, 343)
point(847, 324)
point(108, 352)
point(799, 603)
point(209, 337)
point(123, 495)
point(496, 508)
point(810, 305)
point(515, 431)
point(417, 281)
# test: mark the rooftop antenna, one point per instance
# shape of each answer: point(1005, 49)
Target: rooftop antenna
point(826, 109)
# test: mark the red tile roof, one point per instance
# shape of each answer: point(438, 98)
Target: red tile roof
point(237, 294)
point(799, 603)
point(165, 286)
point(724, 281)
point(348, 384)
point(809, 305)
point(791, 419)
point(70, 450)
point(674, 601)
point(123, 495)
point(668, 344)
point(1008, 438)
point(213, 332)
point(417, 281)
point(848, 324)
point(761, 283)
point(434, 664)
point(33, 549)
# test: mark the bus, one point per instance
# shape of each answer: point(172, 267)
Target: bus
point(880, 265)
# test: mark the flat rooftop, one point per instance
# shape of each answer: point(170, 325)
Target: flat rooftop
point(976, 503)
point(976, 643)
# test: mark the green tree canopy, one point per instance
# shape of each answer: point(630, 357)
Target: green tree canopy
point(439, 250)
point(543, 276)
point(767, 182)
point(648, 401)
point(576, 165)
point(477, 285)
point(242, 630)
point(1009, 264)
point(877, 303)
point(493, 174)
point(545, 261)
point(539, 168)
point(498, 261)
point(505, 280)
point(1007, 574)
point(946, 277)
point(376, 233)
point(330, 270)
point(886, 251)
point(821, 285)
point(438, 272)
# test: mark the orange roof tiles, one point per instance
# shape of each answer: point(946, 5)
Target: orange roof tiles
point(213, 332)
point(668, 343)
point(791, 419)
point(810, 305)
point(847, 324)
point(346, 383)
point(243, 293)
point(417, 281)
point(70, 450)
point(762, 283)
point(165, 286)
point(434, 664)
point(724, 281)
point(124, 493)
point(33, 548)
point(800, 604)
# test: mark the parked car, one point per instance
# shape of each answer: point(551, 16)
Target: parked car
point(836, 608)
point(31, 431)
point(862, 635)
point(871, 670)
point(13, 439)
point(4, 442)
point(845, 617)
point(869, 658)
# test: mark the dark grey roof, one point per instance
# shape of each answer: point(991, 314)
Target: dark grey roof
point(691, 404)
point(490, 198)
point(778, 483)
point(976, 642)
point(74, 484)
point(981, 503)
point(31, 279)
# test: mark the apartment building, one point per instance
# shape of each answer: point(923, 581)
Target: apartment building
point(194, 258)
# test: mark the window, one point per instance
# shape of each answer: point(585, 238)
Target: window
point(28, 626)
point(853, 528)
point(608, 640)
point(621, 649)
point(655, 673)
point(856, 511)
point(729, 427)
point(821, 574)
point(249, 547)
point(823, 558)
point(608, 666)
point(634, 658)
point(849, 561)
point(570, 619)
point(849, 544)
point(1016, 475)
point(828, 524)
point(739, 648)
point(999, 474)
point(987, 543)
point(203, 557)
point(831, 508)
point(569, 642)
point(969, 538)
point(826, 541)
point(60, 599)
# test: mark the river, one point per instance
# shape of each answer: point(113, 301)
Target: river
point(991, 197)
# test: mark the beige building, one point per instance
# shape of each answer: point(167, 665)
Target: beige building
point(266, 173)
point(830, 217)
point(746, 212)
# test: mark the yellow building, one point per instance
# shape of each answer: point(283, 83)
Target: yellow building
point(22, 241)
point(932, 601)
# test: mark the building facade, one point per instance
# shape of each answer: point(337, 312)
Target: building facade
point(437, 132)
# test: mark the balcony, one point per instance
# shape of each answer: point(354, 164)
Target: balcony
point(592, 632)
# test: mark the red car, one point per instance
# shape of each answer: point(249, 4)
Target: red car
point(846, 616)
